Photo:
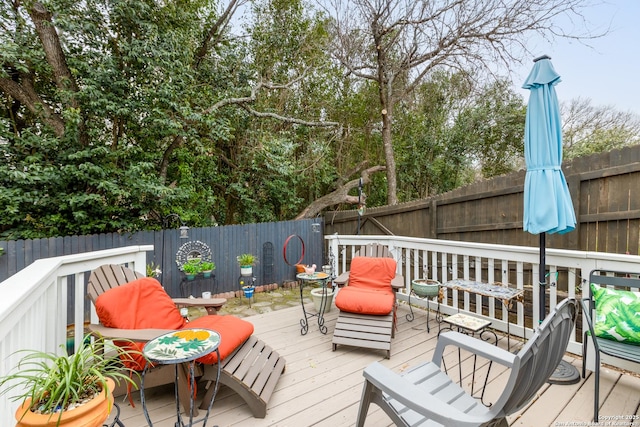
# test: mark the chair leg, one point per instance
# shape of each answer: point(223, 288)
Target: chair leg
point(596, 397)
point(365, 401)
point(585, 337)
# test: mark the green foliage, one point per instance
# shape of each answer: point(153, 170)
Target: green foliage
point(207, 266)
point(52, 381)
point(193, 266)
point(493, 127)
point(245, 260)
point(156, 117)
point(153, 270)
point(449, 131)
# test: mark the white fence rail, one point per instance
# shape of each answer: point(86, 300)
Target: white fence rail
point(34, 306)
point(444, 260)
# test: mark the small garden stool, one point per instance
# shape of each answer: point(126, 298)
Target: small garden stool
point(469, 325)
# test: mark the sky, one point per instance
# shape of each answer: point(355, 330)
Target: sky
point(608, 72)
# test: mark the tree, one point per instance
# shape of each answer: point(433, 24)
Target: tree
point(588, 129)
point(431, 157)
point(119, 112)
point(492, 129)
point(397, 43)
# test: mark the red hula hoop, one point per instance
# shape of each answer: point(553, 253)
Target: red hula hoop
point(284, 249)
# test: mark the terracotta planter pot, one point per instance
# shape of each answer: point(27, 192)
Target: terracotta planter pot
point(91, 414)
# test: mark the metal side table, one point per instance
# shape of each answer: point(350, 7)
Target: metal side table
point(178, 348)
point(470, 325)
point(304, 322)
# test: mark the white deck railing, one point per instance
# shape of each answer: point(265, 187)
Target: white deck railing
point(445, 260)
point(34, 304)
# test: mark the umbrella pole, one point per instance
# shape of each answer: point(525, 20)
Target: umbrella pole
point(542, 277)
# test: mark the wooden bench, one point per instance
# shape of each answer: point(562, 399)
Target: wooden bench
point(609, 347)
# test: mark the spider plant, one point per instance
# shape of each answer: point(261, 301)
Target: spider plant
point(54, 382)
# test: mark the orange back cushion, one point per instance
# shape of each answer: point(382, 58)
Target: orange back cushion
point(372, 273)
point(139, 304)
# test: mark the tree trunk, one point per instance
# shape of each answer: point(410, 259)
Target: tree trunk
point(340, 195)
point(390, 160)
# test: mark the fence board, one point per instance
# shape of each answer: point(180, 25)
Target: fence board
point(226, 243)
point(602, 187)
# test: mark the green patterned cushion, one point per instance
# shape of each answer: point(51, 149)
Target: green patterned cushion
point(617, 315)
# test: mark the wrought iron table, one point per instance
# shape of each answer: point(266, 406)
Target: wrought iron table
point(322, 279)
point(496, 290)
point(470, 325)
point(177, 348)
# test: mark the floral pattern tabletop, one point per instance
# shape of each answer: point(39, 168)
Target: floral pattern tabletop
point(313, 276)
point(181, 346)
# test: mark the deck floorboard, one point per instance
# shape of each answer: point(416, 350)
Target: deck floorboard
point(323, 387)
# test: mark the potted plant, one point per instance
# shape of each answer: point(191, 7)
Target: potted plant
point(246, 262)
point(207, 267)
point(153, 270)
point(248, 291)
point(60, 390)
point(191, 269)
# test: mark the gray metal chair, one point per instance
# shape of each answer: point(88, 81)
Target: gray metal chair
point(425, 394)
point(609, 347)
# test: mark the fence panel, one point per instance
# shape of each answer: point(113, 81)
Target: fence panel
point(225, 243)
point(603, 188)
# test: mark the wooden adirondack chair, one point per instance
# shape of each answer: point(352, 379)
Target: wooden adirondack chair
point(425, 395)
point(251, 368)
point(368, 304)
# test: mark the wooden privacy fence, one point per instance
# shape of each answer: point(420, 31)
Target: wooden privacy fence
point(265, 240)
point(604, 189)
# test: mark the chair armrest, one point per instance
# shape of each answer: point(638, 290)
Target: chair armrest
point(397, 283)
point(200, 302)
point(126, 334)
point(417, 399)
point(473, 345)
point(342, 279)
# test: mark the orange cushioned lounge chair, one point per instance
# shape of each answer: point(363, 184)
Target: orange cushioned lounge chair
point(367, 305)
point(140, 310)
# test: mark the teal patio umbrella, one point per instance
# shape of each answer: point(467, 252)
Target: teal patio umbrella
point(547, 201)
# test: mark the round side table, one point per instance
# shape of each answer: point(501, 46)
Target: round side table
point(322, 279)
point(177, 348)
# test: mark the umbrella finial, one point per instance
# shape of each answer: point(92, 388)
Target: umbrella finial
point(541, 57)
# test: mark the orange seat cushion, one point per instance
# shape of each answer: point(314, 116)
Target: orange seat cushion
point(233, 332)
point(364, 301)
point(369, 289)
point(143, 303)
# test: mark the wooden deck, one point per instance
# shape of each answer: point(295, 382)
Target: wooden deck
point(323, 387)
